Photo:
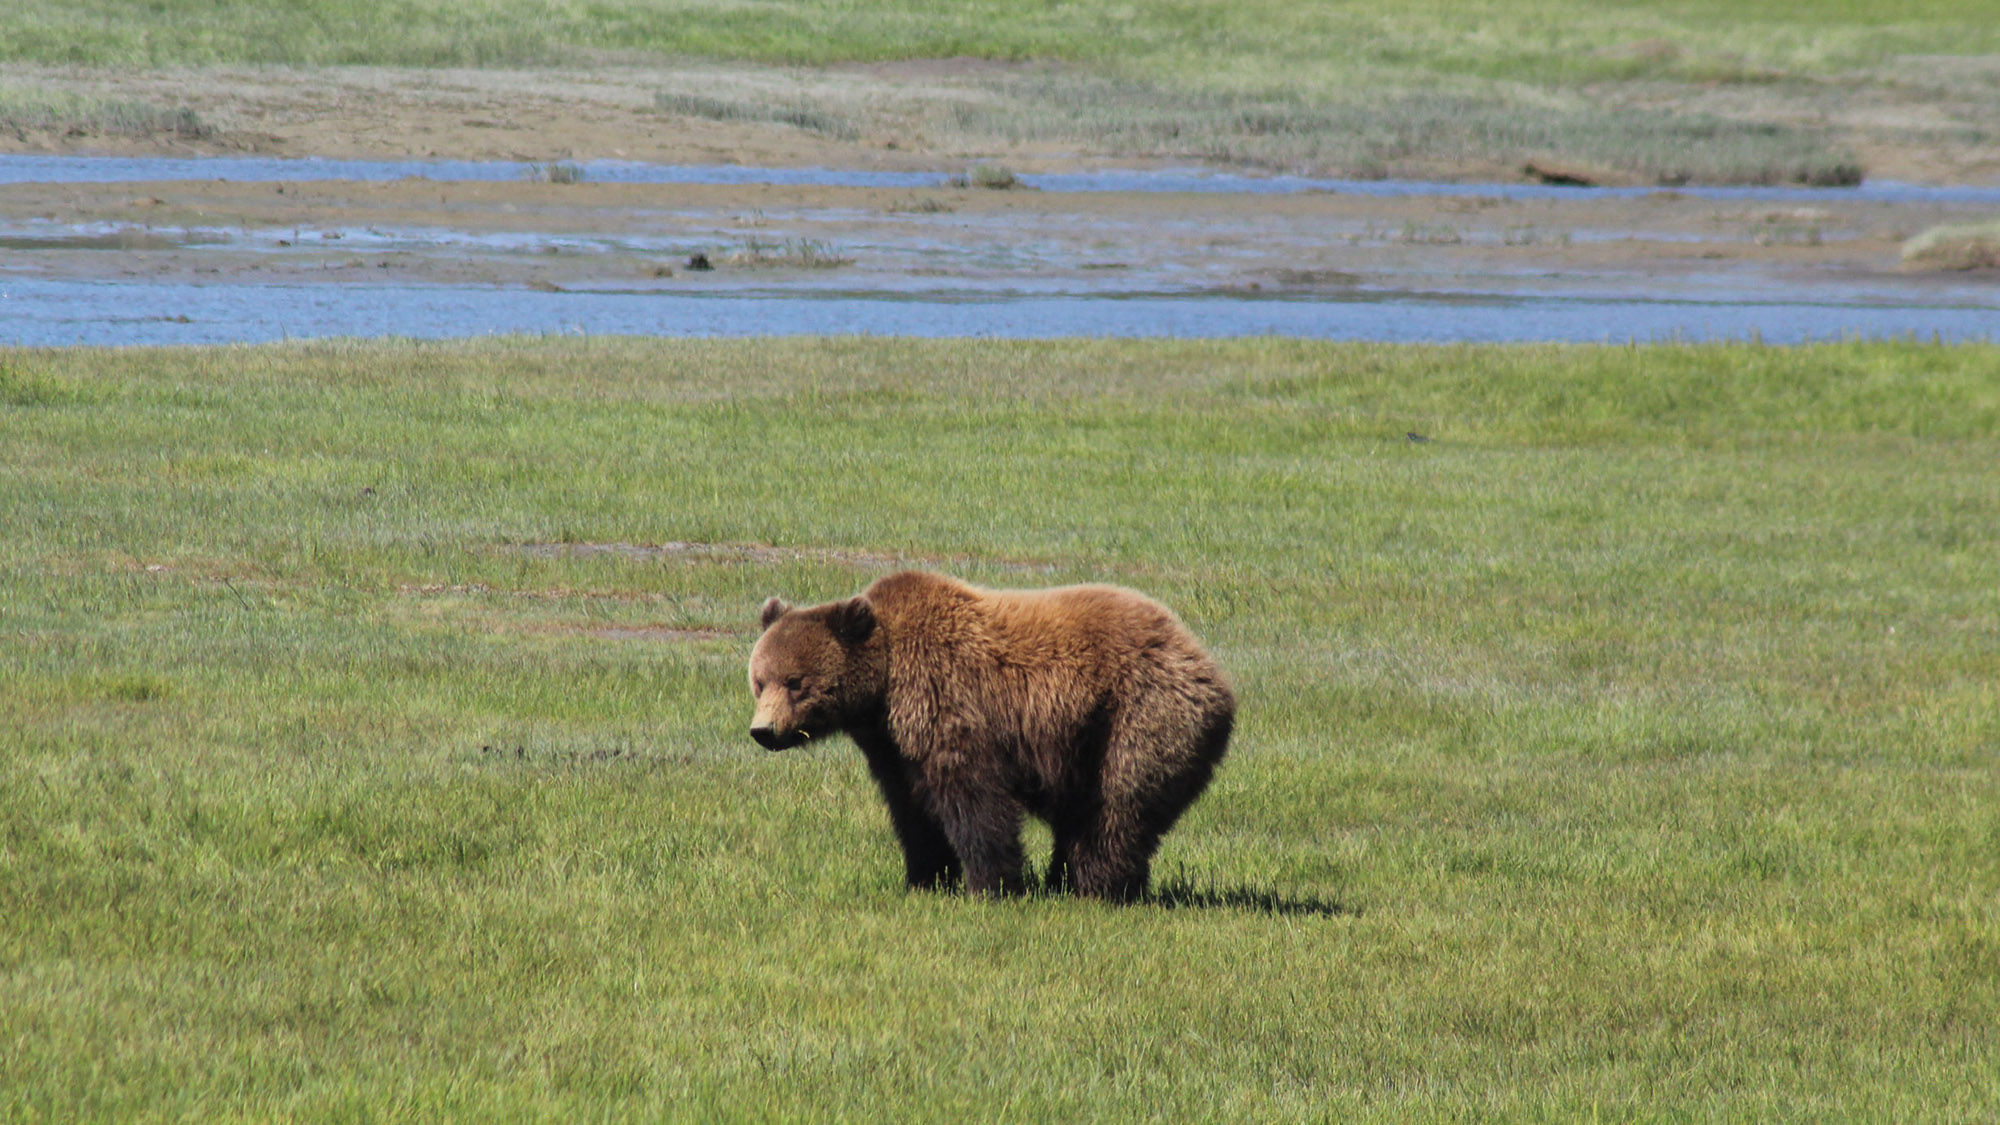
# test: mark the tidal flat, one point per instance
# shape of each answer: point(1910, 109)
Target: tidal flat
point(231, 250)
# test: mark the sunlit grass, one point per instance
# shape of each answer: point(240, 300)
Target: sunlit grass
point(1567, 40)
point(1627, 747)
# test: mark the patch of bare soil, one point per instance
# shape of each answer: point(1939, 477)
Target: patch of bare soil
point(757, 553)
point(375, 113)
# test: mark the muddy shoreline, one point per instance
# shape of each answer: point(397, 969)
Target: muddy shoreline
point(520, 233)
point(351, 257)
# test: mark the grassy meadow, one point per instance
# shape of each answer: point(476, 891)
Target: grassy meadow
point(1627, 749)
point(1259, 41)
point(1659, 91)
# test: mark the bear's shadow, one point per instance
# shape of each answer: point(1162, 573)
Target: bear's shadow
point(1182, 894)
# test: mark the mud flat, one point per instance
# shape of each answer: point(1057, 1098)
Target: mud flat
point(360, 201)
point(707, 250)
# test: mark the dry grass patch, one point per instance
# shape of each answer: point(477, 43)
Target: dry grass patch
point(78, 115)
point(791, 253)
point(1959, 246)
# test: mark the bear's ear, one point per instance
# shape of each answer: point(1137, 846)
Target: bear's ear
point(773, 609)
point(851, 621)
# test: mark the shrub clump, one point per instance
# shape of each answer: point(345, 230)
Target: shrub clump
point(996, 177)
point(557, 172)
point(793, 253)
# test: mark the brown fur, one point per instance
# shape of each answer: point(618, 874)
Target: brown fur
point(1091, 707)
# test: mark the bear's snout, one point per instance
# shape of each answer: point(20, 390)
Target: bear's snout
point(769, 738)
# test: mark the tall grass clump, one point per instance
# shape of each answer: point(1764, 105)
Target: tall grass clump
point(23, 386)
point(1955, 246)
point(990, 177)
point(59, 112)
point(556, 172)
point(798, 115)
point(791, 253)
point(919, 205)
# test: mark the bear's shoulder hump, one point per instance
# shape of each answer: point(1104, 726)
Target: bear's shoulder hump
point(914, 585)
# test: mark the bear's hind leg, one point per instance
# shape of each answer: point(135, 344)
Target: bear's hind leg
point(1106, 853)
point(1152, 772)
point(1112, 860)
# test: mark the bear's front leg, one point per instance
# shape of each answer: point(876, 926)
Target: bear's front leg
point(983, 825)
point(929, 863)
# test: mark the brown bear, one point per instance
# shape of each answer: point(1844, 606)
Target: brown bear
point(1091, 707)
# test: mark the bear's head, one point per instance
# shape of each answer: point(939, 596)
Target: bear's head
point(815, 671)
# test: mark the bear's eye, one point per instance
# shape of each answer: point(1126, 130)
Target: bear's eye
point(794, 684)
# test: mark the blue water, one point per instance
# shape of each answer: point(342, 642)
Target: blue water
point(118, 169)
point(53, 312)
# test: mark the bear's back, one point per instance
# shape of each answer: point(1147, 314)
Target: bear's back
point(1091, 630)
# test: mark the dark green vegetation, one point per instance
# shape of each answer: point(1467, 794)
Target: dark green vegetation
point(1628, 748)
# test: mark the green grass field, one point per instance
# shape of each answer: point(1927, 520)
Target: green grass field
point(1628, 750)
point(1259, 41)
